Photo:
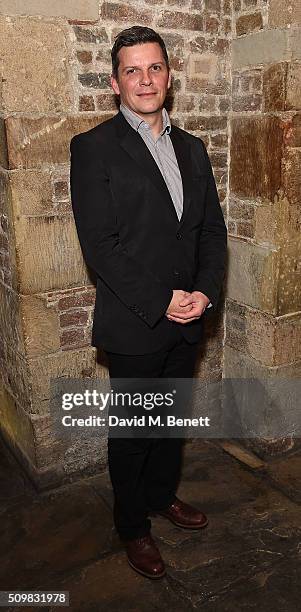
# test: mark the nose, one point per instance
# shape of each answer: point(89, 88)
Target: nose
point(145, 78)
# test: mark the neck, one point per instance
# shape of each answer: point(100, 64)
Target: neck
point(155, 120)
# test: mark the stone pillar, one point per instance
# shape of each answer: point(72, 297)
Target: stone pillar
point(263, 307)
point(47, 295)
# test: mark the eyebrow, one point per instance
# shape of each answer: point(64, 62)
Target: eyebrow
point(152, 64)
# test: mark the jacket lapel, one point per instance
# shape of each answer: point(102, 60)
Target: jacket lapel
point(133, 144)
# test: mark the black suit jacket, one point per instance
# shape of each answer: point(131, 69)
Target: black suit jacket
point(131, 237)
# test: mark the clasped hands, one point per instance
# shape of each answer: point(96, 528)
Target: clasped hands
point(186, 307)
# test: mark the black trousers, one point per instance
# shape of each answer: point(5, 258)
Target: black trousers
point(145, 472)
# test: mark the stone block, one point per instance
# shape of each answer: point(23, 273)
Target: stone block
point(41, 325)
point(202, 66)
point(266, 223)
point(253, 275)
point(295, 43)
point(256, 150)
point(246, 24)
point(11, 318)
point(272, 341)
point(203, 123)
point(281, 87)
point(33, 143)
point(43, 83)
point(274, 87)
point(87, 10)
point(32, 192)
point(293, 93)
point(8, 266)
point(15, 375)
point(90, 35)
point(180, 21)
point(122, 12)
point(237, 364)
point(263, 47)
point(49, 254)
point(291, 169)
point(289, 290)
point(282, 13)
point(80, 363)
point(292, 132)
point(272, 412)
point(16, 425)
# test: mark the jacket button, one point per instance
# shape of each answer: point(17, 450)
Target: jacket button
point(179, 236)
point(176, 272)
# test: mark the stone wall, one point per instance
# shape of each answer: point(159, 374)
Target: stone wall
point(236, 84)
point(263, 322)
point(55, 83)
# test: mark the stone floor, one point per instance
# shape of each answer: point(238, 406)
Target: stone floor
point(248, 558)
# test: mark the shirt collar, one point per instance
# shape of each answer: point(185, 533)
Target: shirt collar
point(137, 123)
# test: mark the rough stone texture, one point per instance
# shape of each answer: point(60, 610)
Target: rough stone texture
point(10, 318)
point(284, 13)
point(265, 47)
point(293, 131)
point(16, 426)
point(32, 192)
point(289, 292)
point(8, 264)
point(41, 325)
point(80, 363)
point(281, 87)
point(293, 94)
point(45, 244)
point(295, 43)
point(34, 142)
point(239, 365)
point(274, 87)
point(272, 341)
point(262, 338)
point(209, 361)
point(256, 152)
point(253, 275)
point(43, 83)
point(73, 9)
point(248, 23)
point(3, 145)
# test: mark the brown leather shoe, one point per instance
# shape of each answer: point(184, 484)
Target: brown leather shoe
point(144, 557)
point(184, 515)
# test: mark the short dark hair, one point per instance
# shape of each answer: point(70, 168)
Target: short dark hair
point(136, 35)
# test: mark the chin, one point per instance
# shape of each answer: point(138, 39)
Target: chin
point(149, 107)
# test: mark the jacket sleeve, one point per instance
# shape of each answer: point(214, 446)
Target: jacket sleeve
point(212, 244)
point(96, 223)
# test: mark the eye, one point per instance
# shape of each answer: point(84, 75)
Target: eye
point(130, 70)
point(156, 68)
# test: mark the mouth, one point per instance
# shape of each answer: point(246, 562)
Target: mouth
point(146, 95)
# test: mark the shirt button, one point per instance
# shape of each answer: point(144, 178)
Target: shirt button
point(179, 236)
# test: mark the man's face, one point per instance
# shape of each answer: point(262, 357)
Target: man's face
point(143, 78)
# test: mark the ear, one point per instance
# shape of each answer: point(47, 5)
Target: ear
point(114, 85)
point(169, 80)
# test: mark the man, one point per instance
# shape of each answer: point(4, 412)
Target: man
point(150, 225)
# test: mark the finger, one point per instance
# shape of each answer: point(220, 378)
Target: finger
point(186, 301)
point(186, 315)
point(183, 321)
